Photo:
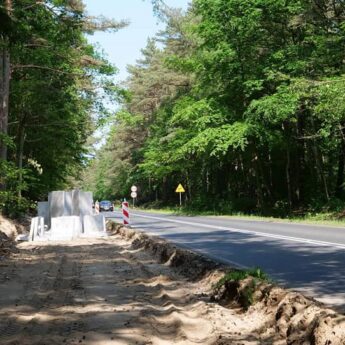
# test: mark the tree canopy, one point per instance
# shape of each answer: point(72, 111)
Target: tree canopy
point(55, 83)
point(242, 101)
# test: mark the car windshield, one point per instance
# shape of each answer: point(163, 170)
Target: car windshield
point(105, 203)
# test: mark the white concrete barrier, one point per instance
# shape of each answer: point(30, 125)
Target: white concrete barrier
point(33, 228)
point(68, 204)
point(75, 202)
point(63, 215)
point(40, 229)
point(94, 225)
point(85, 203)
point(65, 228)
point(36, 228)
point(56, 204)
point(43, 211)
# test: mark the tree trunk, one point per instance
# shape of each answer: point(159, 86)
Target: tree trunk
point(270, 171)
point(20, 151)
point(259, 191)
point(207, 181)
point(189, 187)
point(299, 167)
point(5, 75)
point(164, 190)
point(319, 164)
point(288, 177)
point(265, 185)
point(4, 98)
point(20, 161)
point(339, 190)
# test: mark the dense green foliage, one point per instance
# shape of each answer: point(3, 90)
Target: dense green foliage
point(57, 83)
point(241, 101)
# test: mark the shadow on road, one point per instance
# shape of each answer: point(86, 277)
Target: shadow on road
point(314, 270)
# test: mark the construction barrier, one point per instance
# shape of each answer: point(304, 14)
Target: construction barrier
point(97, 207)
point(125, 212)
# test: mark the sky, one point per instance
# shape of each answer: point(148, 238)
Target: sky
point(123, 47)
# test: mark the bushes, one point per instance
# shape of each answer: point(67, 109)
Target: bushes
point(12, 203)
point(14, 206)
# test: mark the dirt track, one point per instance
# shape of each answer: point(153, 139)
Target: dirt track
point(101, 292)
point(105, 292)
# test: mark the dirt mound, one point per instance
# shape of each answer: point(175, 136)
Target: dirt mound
point(294, 317)
point(7, 245)
point(288, 317)
point(9, 229)
point(188, 263)
point(12, 228)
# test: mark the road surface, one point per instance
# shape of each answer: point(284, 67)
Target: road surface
point(307, 258)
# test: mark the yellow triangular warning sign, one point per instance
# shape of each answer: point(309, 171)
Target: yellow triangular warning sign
point(180, 189)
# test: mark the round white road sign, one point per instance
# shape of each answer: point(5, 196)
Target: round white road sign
point(133, 195)
point(134, 188)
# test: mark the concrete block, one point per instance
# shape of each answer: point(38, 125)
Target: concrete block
point(43, 211)
point(33, 228)
point(36, 228)
point(57, 204)
point(85, 203)
point(94, 225)
point(40, 228)
point(49, 215)
point(68, 204)
point(22, 237)
point(65, 228)
point(75, 202)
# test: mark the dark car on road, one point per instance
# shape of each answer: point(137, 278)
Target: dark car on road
point(106, 205)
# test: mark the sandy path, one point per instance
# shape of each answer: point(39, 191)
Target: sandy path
point(100, 292)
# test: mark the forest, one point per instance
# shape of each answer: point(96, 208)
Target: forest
point(52, 87)
point(240, 101)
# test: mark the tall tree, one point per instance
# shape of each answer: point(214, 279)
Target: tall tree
point(255, 119)
point(57, 80)
point(5, 73)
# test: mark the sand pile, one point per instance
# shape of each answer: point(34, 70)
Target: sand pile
point(272, 314)
point(130, 289)
point(9, 229)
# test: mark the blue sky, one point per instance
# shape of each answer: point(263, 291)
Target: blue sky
point(123, 47)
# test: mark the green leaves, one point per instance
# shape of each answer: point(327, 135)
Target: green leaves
point(218, 141)
point(198, 114)
point(275, 109)
point(59, 89)
point(243, 101)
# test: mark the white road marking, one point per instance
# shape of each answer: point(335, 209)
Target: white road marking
point(248, 232)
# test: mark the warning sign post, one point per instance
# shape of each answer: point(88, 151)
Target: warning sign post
point(180, 190)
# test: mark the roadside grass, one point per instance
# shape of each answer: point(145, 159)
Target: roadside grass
point(230, 285)
point(239, 275)
point(319, 218)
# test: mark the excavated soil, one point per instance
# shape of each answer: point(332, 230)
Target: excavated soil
point(270, 314)
point(12, 228)
point(130, 289)
point(9, 229)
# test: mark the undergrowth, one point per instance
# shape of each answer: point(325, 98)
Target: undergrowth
point(243, 295)
point(239, 275)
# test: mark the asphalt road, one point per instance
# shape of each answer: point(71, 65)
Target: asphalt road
point(306, 258)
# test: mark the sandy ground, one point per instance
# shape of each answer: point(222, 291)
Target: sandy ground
point(103, 291)
point(100, 292)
